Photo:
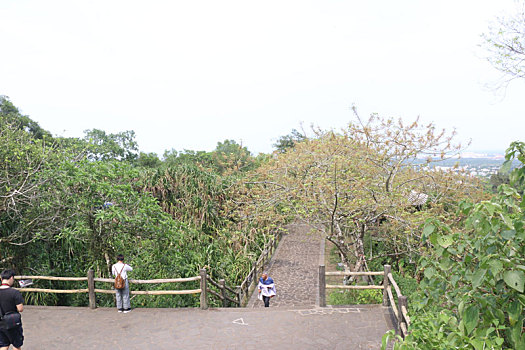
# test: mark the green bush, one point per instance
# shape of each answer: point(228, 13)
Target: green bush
point(472, 295)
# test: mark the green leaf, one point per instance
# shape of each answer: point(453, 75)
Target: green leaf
point(505, 168)
point(471, 318)
point(509, 234)
point(514, 309)
point(515, 336)
point(445, 263)
point(428, 230)
point(445, 241)
point(500, 315)
point(477, 343)
point(491, 208)
point(433, 238)
point(461, 306)
point(495, 266)
point(515, 280)
point(429, 272)
point(477, 278)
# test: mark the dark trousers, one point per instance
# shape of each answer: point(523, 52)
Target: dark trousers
point(266, 301)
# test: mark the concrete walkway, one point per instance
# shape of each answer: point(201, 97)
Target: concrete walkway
point(292, 322)
point(233, 328)
point(294, 268)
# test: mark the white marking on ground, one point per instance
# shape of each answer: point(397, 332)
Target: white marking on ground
point(240, 321)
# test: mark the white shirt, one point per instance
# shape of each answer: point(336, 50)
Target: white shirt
point(115, 269)
point(267, 290)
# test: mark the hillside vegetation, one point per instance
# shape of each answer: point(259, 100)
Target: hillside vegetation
point(71, 204)
point(68, 205)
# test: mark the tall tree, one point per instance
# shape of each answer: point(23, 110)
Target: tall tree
point(10, 114)
point(286, 142)
point(229, 156)
point(505, 42)
point(119, 146)
point(367, 180)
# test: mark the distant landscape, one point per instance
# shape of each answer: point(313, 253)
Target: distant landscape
point(477, 164)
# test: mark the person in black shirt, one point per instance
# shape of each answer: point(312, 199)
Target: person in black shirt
point(10, 301)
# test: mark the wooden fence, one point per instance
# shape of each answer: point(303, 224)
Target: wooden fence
point(227, 295)
point(92, 290)
point(400, 310)
point(222, 295)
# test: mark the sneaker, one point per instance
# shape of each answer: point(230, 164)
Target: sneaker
point(127, 310)
point(120, 310)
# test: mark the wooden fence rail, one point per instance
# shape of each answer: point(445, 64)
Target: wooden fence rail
point(399, 310)
point(221, 295)
point(91, 290)
point(237, 297)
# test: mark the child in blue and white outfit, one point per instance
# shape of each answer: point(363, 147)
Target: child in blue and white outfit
point(266, 289)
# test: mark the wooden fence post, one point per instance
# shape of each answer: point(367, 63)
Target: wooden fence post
point(91, 289)
point(204, 292)
point(223, 292)
point(239, 295)
point(322, 286)
point(254, 276)
point(401, 301)
point(386, 283)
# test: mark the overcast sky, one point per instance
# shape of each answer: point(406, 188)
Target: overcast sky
point(186, 74)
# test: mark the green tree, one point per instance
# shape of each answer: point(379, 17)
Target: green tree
point(200, 158)
point(23, 157)
point(286, 142)
point(365, 183)
point(119, 146)
point(148, 160)
point(9, 114)
point(229, 156)
point(505, 43)
point(72, 204)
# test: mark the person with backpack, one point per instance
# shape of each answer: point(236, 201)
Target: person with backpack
point(119, 271)
point(11, 305)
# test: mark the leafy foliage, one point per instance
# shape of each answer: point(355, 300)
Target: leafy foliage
point(287, 142)
point(9, 114)
point(189, 193)
point(472, 293)
point(365, 184)
point(120, 146)
point(68, 205)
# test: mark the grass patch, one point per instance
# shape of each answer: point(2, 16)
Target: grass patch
point(355, 297)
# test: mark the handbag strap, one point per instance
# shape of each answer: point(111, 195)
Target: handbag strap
point(122, 269)
point(1, 308)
